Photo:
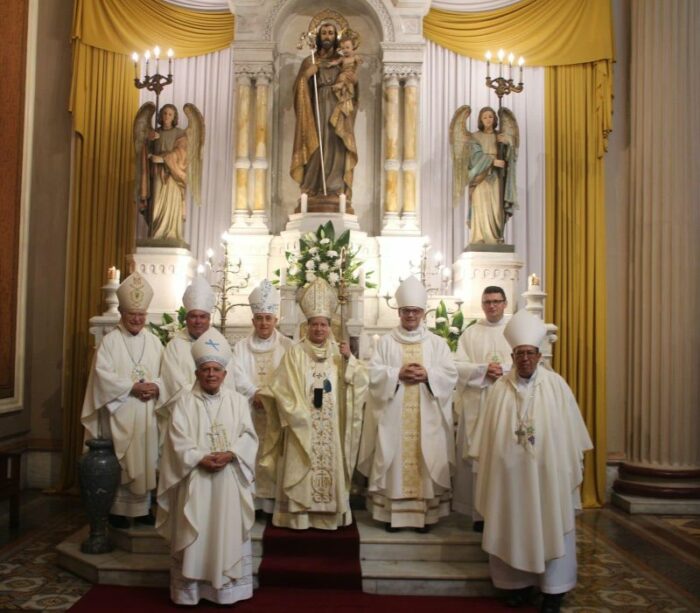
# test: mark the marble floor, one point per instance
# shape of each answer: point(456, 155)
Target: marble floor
point(626, 563)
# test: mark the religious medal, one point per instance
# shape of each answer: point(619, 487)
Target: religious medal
point(139, 374)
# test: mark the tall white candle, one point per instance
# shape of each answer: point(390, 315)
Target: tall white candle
point(375, 342)
point(361, 277)
point(343, 201)
point(304, 203)
point(283, 275)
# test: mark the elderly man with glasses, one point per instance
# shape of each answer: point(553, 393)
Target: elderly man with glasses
point(529, 440)
point(483, 357)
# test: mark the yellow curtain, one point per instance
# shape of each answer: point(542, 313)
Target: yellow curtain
point(577, 107)
point(104, 102)
point(544, 32)
point(573, 39)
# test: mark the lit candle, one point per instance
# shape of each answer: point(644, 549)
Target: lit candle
point(117, 275)
point(147, 55)
point(501, 55)
point(342, 203)
point(304, 203)
point(156, 54)
point(511, 59)
point(375, 342)
point(534, 281)
point(135, 57)
point(446, 273)
point(488, 64)
point(283, 275)
point(521, 61)
point(361, 277)
point(170, 62)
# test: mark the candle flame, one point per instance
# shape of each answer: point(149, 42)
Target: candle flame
point(488, 56)
point(501, 55)
point(135, 57)
point(156, 52)
point(147, 55)
point(170, 53)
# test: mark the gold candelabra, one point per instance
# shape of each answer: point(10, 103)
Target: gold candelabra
point(501, 85)
point(232, 279)
point(155, 82)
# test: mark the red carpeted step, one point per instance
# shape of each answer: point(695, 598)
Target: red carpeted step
point(311, 558)
point(310, 572)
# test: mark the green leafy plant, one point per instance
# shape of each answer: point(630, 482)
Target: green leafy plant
point(450, 329)
point(169, 325)
point(320, 256)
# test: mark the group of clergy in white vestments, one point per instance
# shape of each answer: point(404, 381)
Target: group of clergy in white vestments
point(282, 427)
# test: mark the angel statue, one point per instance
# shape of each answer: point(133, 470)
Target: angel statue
point(168, 162)
point(485, 161)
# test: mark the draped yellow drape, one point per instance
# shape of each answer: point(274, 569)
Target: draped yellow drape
point(573, 39)
point(104, 102)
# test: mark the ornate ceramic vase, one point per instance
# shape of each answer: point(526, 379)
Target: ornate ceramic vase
point(99, 472)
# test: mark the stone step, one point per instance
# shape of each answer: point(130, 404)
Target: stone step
point(448, 560)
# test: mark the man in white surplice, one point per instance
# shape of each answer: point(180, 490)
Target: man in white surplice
point(483, 357)
point(177, 369)
point(407, 449)
point(255, 359)
point(120, 401)
point(529, 440)
point(205, 500)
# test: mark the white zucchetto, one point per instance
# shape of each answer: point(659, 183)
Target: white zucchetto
point(411, 293)
point(524, 328)
point(265, 298)
point(135, 293)
point(211, 346)
point(199, 296)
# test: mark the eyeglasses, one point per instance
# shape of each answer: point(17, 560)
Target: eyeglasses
point(492, 302)
point(527, 353)
point(410, 311)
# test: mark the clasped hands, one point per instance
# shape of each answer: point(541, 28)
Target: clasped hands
point(145, 391)
point(216, 461)
point(413, 373)
point(494, 371)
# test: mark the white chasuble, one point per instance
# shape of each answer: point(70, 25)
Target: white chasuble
point(407, 448)
point(253, 364)
point(207, 516)
point(109, 410)
point(529, 443)
point(312, 446)
point(480, 344)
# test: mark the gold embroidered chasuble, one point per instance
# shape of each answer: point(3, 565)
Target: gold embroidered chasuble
point(312, 450)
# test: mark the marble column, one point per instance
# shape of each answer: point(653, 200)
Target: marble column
point(260, 163)
point(661, 473)
point(243, 85)
point(391, 150)
point(409, 215)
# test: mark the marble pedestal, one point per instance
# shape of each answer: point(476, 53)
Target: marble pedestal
point(169, 270)
point(475, 270)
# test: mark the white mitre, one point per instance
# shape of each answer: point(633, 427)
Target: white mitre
point(318, 299)
point(211, 346)
point(265, 298)
point(524, 328)
point(411, 293)
point(199, 296)
point(135, 293)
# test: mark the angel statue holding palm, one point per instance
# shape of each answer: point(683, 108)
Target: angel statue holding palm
point(484, 161)
point(168, 163)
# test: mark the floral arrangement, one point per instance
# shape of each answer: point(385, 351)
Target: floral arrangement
point(320, 256)
point(452, 329)
point(169, 326)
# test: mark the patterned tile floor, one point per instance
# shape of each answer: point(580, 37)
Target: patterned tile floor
point(627, 564)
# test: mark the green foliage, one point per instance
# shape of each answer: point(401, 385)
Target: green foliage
point(452, 329)
point(169, 325)
point(320, 256)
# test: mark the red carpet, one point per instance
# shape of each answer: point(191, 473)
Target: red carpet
point(117, 599)
point(328, 559)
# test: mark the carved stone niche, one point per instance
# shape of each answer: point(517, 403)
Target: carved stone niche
point(268, 32)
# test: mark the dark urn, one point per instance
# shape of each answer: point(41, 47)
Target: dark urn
point(99, 472)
